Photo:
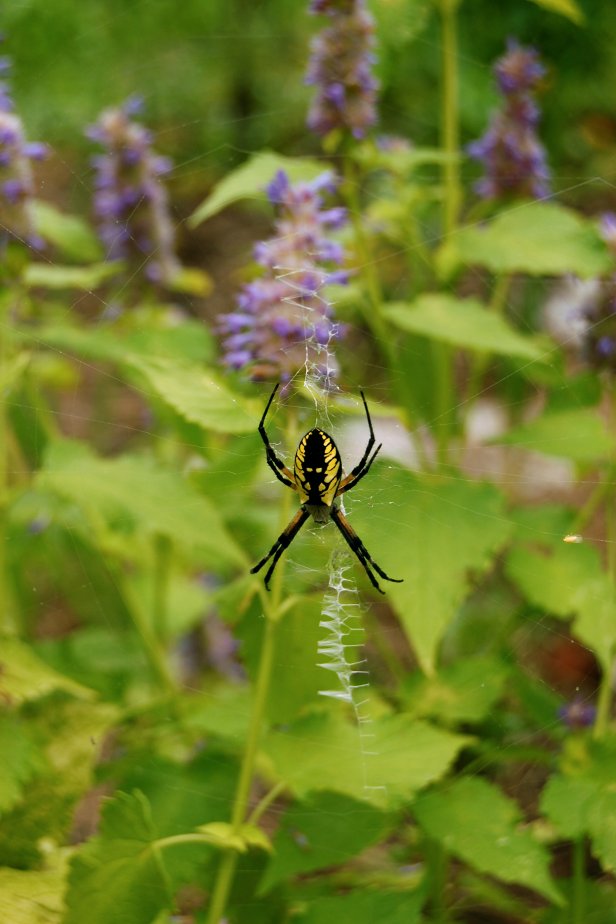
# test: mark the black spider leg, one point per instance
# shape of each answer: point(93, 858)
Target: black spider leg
point(283, 541)
point(360, 549)
point(363, 466)
point(277, 465)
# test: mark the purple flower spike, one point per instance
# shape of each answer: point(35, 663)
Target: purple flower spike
point(16, 180)
point(130, 201)
point(341, 69)
point(284, 321)
point(513, 158)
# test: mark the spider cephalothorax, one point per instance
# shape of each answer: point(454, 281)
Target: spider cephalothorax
point(317, 478)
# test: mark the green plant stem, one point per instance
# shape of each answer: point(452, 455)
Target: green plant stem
point(438, 881)
point(578, 882)
point(604, 700)
point(449, 115)
point(160, 586)
point(272, 605)
point(8, 620)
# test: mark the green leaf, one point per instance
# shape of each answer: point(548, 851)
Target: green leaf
point(56, 276)
point(367, 906)
point(197, 395)
point(464, 692)
point(465, 323)
point(117, 876)
point(32, 897)
point(569, 580)
point(70, 234)
point(222, 835)
point(21, 760)
point(24, 676)
point(538, 238)
point(249, 181)
point(390, 758)
point(325, 830)
point(135, 493)
point(476, 823)
point(578, 434)
point(565, 801)
point(431, 534)
point(568, 8)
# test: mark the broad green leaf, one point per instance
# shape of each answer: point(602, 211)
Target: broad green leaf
point(135, 493)
point(580, 435)
point(568, 8)
point(11, 371)
point(432, 534)
point(475, 822)
point(198, 395)
point(325, 830)
point(539, 238)
point(569, 581)
point(70, 234)
point(463, 322)
point(249, 181)
point(21, 760)
point(565, 801)
point(223, 835)
point(367, 906)
point(117, 876)
point(32, 896)
point(24, 676)
point(464, 692)
point(56, 276)
point(389, 758)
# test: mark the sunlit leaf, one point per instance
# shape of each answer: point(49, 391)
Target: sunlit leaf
point(21, 759)
point(69, 233)
point(24, 676)
point(249, 181)
point(578, 434)
point(198, 395)
point(397, 757)
point(568, 8)
point(136, 493)
point(475, 822)
point(432, 534)
point(325, 830)
point(56, 276)
point(32, 896)
point(462, 322)
point(539, 238)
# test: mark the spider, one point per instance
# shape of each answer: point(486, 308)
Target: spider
point(317, 478)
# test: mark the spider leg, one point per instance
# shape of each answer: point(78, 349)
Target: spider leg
point(360, 549)
point(283, 541)
point(363, 466)
point(278, 467)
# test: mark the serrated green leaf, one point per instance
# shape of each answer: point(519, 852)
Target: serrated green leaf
point(432, 535)
point(117, 875)
point(135, 493)
point(578, 434)
point(56, 276)
point(70, 234)
point(397, 757)
point(32, 896)
point(479, 825)
point(24, 676)
point(325, 830)
point(462, 322)
point(198, 395)
point(249, 181)
point(565, 802)
point(367, 906)
point(464, 692)
point(538, 238)
point(569, 581)
point(568, 8)
point(21, 759)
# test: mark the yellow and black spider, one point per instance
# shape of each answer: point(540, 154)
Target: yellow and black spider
point(317, 478)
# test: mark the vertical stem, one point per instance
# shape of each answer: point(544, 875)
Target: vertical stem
point(272, 606)
point(449, 116)
point(160, 588)
point(604, 701)
point(438, 881)
point(8, 620)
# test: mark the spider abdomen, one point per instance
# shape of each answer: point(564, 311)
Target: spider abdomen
point(318, 470)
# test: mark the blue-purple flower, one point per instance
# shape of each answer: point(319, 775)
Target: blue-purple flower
point(578, 713)
point(513, 158)
point(283, 321)
point(16, 179)
point(341, 69)
point(130, 200)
